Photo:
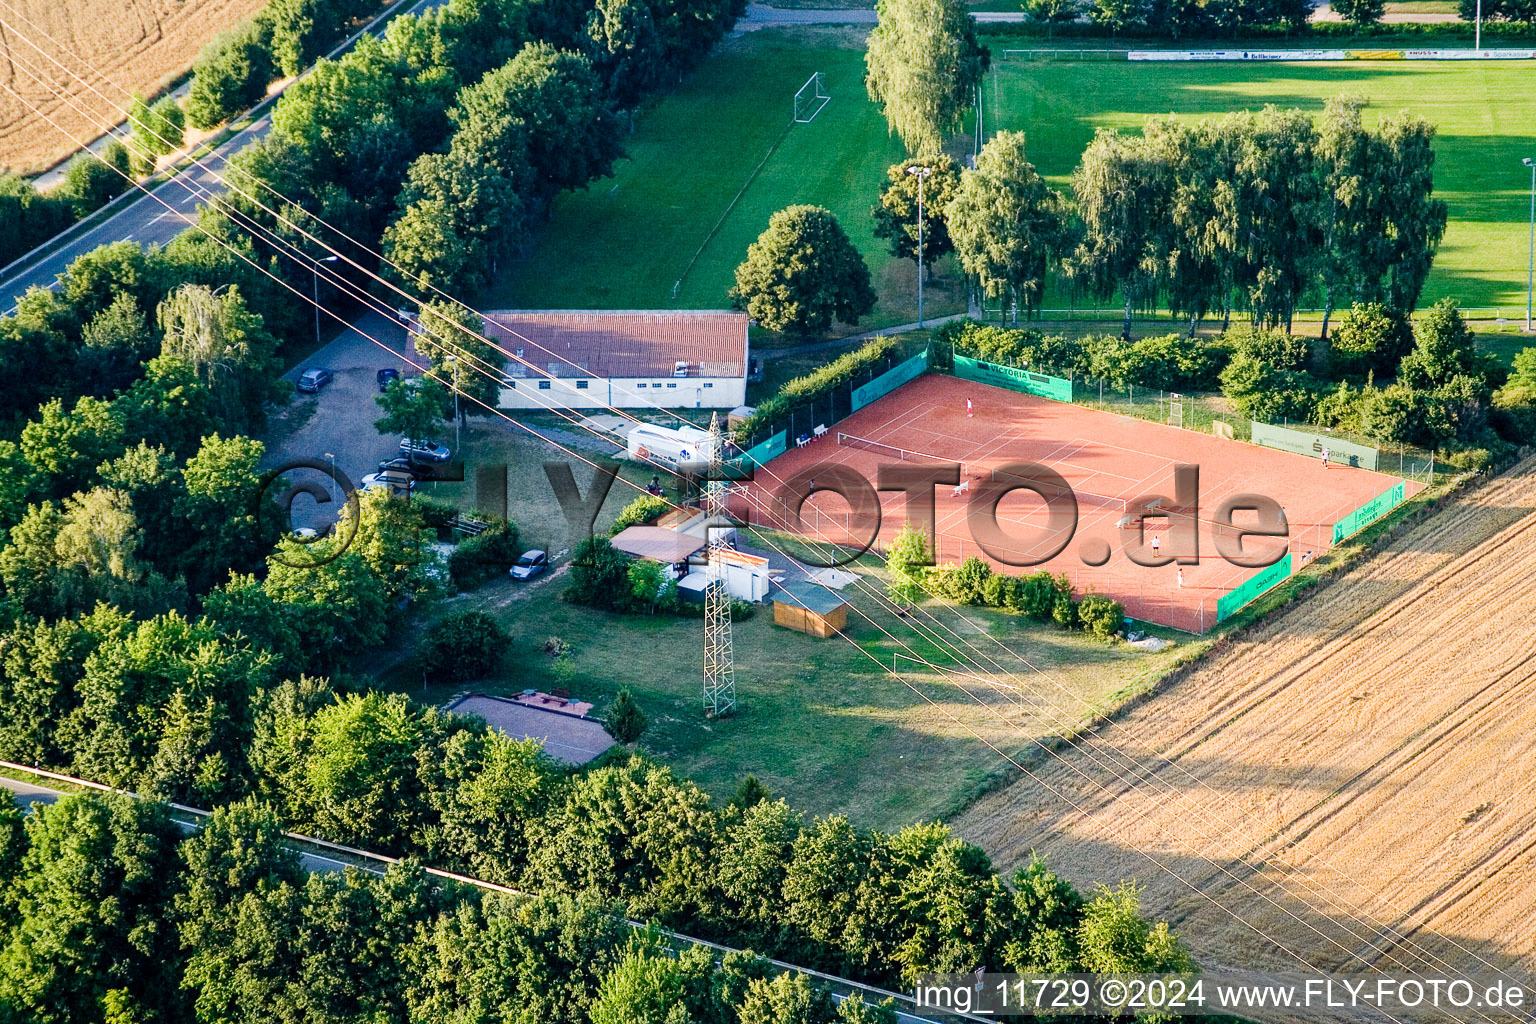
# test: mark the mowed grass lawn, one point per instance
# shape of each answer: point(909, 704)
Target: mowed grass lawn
point(824, 723)
point(1485, 113)
point(625, 241)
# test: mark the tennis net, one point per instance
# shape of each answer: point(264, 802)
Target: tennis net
point(891, 451)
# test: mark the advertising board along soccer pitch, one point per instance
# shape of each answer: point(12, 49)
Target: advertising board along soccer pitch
point(1112, 463)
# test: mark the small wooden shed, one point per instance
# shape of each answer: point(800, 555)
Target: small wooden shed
point(810, 608)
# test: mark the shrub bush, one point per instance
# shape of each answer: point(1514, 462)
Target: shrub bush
point(1101, 616)
point(230, 74)
point(599, 575)
point(970, 579)
point(643, 509)
point(484, 556)
point(461, 647)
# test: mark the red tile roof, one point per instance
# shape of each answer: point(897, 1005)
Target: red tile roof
point(622, 343)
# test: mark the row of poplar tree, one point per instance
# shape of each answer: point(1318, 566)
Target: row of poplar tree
point(1254, 212)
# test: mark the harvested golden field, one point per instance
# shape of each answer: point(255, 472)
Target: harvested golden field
point(115, 45)
point(1347, 787)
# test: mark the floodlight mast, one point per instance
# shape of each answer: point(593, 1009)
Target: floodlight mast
point(921, 174)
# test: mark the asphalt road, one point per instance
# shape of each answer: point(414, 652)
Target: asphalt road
point(164, 213)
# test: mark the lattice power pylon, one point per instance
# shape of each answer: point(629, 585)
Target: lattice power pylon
point(719, 658)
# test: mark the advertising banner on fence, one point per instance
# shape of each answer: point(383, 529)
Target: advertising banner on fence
point(890, 380)
point(763, 451)
point(1252, 587)
point(1371, 511)
point(1184, 55)
point(1013, 378)
point(1187, 55)
point(1340, 452)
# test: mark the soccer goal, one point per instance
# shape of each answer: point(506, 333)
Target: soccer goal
point(810, 99)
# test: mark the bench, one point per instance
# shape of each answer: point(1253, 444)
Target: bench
point(820, 430)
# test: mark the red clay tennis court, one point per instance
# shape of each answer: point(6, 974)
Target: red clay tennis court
point(1109, 461)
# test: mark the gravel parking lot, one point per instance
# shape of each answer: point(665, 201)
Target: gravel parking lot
point(338, 421)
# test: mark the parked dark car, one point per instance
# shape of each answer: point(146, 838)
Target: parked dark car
point(397, 464)
point(386, 376)
point(425, 451)
point(529, 565)
point(314, 379)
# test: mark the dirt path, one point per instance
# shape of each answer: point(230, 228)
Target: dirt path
point(1351, 786)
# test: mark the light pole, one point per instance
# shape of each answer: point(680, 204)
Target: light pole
point(1530, 264)
point(1477, 33)
point(921, 173)
point(457, 421)
point(316, 270)
point(329, 484)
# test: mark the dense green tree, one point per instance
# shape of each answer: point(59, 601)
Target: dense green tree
point(572, 134)
point(95, 887)
point(599, 575)
point(149, 479)
point(955, 910)
point(826, 886)
point(1123, 194)
point(1007, 224)
point(1114, 937)
point(113, 346)
point(91, 180)
point(905, 560)
point(27, 218)
point(231, 73)
point(1362, 13)
point(226, 344)
point(1280, 198)
point(625, 721)
point(68, 446)
point(1051, 13)
point(1046, 910)
point(94, 280)
point(757, 847)
point(225, 530)
point(341, 605)
point(923, 65)
point(786, 999)
point(169, 709)
point(168, 405)
point(626, 50)
point(299, 31)
point(413, 408)
point(539, 959)
point(461, 357)
point(238, 913)
point(896, 212)
point(485, 790)
point(647, 986)
point(802, 273)
point(462, 647)
point(591, 844)
point(41, 664)
point(359, 770)
point(1371, 339)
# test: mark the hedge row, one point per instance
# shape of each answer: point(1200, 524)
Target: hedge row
point(1039, 595)
point(816, 384)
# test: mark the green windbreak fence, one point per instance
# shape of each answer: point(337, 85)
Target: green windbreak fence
point(890, 380)
point(1252, 587)
point(1013, 378)
point(1371, 511)
point(762, 452)
point(1344, 453)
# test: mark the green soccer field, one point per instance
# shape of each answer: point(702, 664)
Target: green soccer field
point(627, 240)
point(1485, 112)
